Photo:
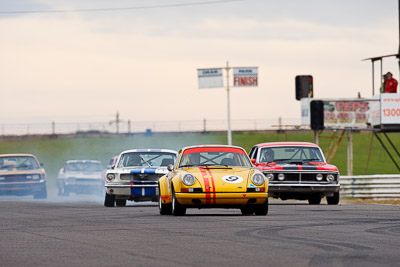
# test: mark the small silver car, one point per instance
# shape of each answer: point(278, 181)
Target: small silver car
point(80, 177)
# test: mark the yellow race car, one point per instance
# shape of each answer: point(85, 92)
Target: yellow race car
point(213, 176)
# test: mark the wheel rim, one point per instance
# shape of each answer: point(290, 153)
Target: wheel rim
point(173, 201)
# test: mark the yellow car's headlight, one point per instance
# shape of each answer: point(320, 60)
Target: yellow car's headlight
point(258, 179)
point(188, 179)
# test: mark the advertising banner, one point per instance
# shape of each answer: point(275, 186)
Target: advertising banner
point(210, 78)
point(245, 76)
point(343, 113)
point(390, 108)
point(347, 113)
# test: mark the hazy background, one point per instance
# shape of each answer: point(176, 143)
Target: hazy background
point(142, 62)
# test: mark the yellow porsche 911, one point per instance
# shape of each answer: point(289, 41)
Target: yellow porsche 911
point(213, 176)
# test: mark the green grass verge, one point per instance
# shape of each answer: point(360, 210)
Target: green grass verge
point(54, 152)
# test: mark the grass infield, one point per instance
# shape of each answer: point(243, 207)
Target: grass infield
point(54, 152)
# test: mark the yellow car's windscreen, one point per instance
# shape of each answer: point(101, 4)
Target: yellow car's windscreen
point(214, 156)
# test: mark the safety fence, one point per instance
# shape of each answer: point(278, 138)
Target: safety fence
point(385, 186)
point(146, 126)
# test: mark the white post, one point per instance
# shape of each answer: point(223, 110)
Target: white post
point(349, 152)
point(228, 104)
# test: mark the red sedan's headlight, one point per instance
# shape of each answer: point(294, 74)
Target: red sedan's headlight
point(330, 177)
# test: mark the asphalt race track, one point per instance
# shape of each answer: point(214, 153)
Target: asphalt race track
point(46, 233)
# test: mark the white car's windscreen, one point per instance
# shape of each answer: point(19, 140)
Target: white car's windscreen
point(146, 159)
point(83, 167)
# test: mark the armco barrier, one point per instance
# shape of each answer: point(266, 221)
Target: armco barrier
point(382, 186)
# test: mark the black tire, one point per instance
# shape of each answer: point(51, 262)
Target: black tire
point(177, 209)
point(120, 202)
point(334, 200)
point(246, 210)
point(314, 200)
point(261, 210)
point(109, 200)
point(165, 209)
point(42, 194)
point(65, 192)
point(62, 191)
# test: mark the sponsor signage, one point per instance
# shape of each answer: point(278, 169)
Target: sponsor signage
point(245, 77)
point(342, 113)
point(381, 110)
point(390, 109)
point(210, 78)
point(347, 113)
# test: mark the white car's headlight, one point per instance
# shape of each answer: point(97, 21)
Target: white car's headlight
point(36, 177)
point(330, 177)
point(319, 177)
point(110, 177)
point(188, 179)
point(258, 179)
point(281, 177)
point(270, 176)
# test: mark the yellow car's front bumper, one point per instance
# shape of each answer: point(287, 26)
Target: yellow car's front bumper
point(221, 199)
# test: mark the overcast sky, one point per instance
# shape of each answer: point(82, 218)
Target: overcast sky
point(142, 61)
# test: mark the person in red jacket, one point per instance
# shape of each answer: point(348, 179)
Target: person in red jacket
point(390, 85)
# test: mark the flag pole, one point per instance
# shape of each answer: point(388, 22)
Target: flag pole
point(228, 104)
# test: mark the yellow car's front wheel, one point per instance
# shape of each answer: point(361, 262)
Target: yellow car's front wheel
point(261, 209)
point(165, 209)
point(177, 209)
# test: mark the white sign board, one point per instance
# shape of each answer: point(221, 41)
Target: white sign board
point(245, 76)
point(390, 108)
point(305, 111)
point(375, 118)
point(210, 78)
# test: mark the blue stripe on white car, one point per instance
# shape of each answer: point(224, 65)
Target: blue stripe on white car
point(144, 170)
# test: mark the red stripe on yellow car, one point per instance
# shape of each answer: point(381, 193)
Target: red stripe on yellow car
point(213, 187)
point(166, 197)
point(207, 176)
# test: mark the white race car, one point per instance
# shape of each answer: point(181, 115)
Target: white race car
point(80, 177)
point(135, 175)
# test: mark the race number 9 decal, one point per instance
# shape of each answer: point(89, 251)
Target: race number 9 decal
point(233, 179)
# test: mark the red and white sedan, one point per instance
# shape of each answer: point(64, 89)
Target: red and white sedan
point(297, 170)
